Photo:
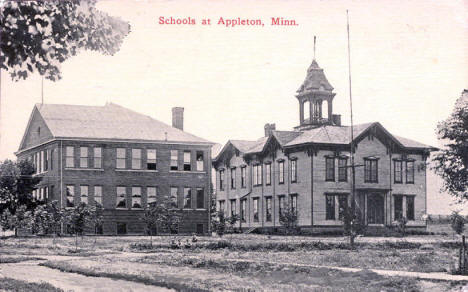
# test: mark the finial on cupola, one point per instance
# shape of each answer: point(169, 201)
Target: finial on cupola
point(315, 38)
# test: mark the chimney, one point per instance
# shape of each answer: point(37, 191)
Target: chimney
point(269, 128)
point(178, 118)
point(336, 119)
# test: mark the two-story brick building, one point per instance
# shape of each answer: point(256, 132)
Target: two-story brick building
point(308, 168)
point(120, 159)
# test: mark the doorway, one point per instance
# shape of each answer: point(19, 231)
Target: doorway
point(375, 208)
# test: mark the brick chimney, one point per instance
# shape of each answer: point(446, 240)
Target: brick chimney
point(336, 119)
point(178, 117)
point(269, 128)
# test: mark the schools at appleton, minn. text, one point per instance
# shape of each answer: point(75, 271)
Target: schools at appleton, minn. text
point(227, 22)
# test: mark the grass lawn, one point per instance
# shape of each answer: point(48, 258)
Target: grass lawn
point(216, 264)
point(8, 284)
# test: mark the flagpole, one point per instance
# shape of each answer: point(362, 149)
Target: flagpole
point(353, 170)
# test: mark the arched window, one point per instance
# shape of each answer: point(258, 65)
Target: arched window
point(306, 106)
point(325, 109)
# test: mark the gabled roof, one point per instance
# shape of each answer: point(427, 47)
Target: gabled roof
point(315, 79)
point(109, 122)
point(243, 145)
point(328, 134)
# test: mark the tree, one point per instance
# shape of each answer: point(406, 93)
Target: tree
point(232, 221)
point(21, 219)
point(218, 223)
point(161, 215)
point(457, 222)
point(288, 218)
point(353, 223)
point(40, 35)
point(96, 216)
point(451, 163)
point(16, 185)
point(48, 218)
point(76, 219)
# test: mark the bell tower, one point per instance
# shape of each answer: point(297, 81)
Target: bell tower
point(315, 98)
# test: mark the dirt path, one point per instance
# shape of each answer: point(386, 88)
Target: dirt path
point(31, 272)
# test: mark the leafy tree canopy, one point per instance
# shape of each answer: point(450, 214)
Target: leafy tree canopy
point(451, 163)
point(16, 185)
point(40, 35)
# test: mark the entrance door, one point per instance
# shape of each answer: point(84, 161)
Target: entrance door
point(375, 208)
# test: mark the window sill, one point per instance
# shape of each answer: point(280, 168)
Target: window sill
point(187, 171)
point(135, 170)
point(86, 169)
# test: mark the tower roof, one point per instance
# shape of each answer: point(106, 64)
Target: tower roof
point(315, 80)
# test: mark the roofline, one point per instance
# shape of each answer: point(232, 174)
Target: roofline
point(115, 141)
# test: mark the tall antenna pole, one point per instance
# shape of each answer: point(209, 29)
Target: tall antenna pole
point(42, 89)
point(315, 38)
point(353, 170)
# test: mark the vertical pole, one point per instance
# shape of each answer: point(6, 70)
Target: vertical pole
point(463, 257)
point(315, 38)
point(353, 184)
point(42, 89)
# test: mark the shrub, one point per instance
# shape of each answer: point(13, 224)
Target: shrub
point(457, 222)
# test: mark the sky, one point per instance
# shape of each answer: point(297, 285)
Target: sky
point(409, 63)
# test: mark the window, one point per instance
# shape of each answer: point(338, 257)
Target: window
point(342, 206)
point(410, 172)
point(41, 159)
point(174, 160)
point(330, 207)
point(83, 157)
point(243, 210)
point(294, 171)
point(97, 157)
point(136, 197)
point(294, 203)
point(281, 172)
point(410, 207)
point(174, 198)
point(268, 209)
point(329, 168)
point(51, 161)
point(84, 194)
point(200, 198)
point(98, 195)
point(268, 174)
point(398, 202)
point(69, 158)
point(200, 161)
point(151, 159)
point(46, 193)
point(221, 180)
point(233, 207)
point(46, 161)
point(397, 171)
point(233, 178)
point(342, 169)
point(187, 161)
point(121, 157)
point(243, 176)
point(280, 205)
point(221, 206)
point(70, 196)
point(151, 195)
point(136, 158)
point(257, 175)
point(255, 209)
point(121, 198)
point(187, 198)
point(370, 170)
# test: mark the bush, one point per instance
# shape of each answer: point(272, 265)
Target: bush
point(457, 222)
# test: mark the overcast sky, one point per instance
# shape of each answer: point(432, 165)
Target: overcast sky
point(409, 65)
